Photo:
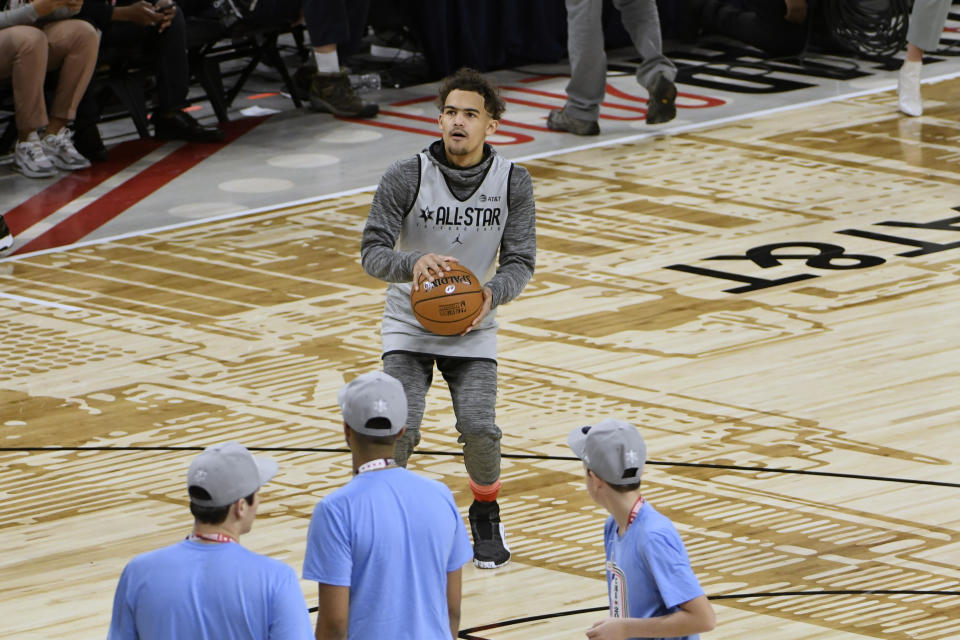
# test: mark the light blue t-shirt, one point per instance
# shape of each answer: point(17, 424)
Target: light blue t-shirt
point(391, 536)
point(648, 571)
point(208, 591)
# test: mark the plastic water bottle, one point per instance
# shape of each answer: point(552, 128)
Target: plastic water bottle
point(365, 82)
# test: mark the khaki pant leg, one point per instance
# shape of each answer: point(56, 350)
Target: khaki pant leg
point(73, 49)
point(23, 58)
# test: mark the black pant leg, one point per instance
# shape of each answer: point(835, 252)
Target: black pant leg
point(339, 22)
point(168, 50)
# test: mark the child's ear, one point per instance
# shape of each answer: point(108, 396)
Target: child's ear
point(594, 479)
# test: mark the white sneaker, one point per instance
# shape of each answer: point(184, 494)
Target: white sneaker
point(59, 148)
point(6, 238)
point(30, 159)
point(908, 89)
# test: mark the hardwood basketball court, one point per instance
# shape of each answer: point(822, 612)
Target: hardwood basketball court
point(775, 303)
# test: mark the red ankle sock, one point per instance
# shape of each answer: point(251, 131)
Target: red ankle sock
point(485, 492)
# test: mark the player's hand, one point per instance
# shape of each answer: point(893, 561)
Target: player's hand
point(430, 266)
point(484, 310)
point(608, 629)
point(796, 11)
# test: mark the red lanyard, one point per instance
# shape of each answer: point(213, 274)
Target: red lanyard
point(210, 537)
point(635, 510)
point(373, 465)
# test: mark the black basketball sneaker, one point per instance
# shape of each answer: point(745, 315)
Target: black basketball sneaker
point(489, 542)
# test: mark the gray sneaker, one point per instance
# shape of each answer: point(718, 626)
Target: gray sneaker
point(559, 120)
point(59, 148)
point(332, 93)
point(661, 106)
point(30, 159)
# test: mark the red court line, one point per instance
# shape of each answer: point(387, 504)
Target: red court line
point(151, 179)
point(536, 92)
point(76, 183)
point(524, 125)
point(518, 138)
point(706, 101)
point(540, 78)
point(403, 103)
point(641, 112)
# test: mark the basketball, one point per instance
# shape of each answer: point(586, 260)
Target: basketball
point(450, 303)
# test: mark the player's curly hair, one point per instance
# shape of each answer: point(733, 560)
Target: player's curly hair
point(466, 79)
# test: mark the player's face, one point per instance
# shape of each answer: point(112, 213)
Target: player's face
point(465, 124)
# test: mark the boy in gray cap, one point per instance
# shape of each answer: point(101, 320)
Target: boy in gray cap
point(387, 548)
point(208, 586)
point(653, 591)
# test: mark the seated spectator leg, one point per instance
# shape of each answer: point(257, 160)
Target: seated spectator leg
point(23, 58)
point(73, 48)
point(173, 70)
point(169, 49)
point(332, 23)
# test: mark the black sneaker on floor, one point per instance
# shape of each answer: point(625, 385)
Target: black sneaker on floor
point(489, 542)
point(661, 106)
point(6, 238)
point(332, 93)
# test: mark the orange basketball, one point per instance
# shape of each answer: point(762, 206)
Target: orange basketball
point(450, 303)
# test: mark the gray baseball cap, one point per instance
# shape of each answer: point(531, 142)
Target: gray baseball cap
point(612, 449)
point(228, 472)
point(373, 395)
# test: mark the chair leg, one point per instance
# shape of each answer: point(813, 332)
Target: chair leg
point(128, 88)
point(273, 55)
point(9, 136)
point(208, 72)
point(244, 75)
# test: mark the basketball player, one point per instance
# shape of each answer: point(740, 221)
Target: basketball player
point(653, 591)
point(456, 201)
point(387, 548)
point(208, 587)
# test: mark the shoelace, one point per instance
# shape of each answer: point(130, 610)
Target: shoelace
point(34, 150)
point(63, 139)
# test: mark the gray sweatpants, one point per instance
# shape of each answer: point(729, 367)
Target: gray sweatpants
point(473, 389)
point(588, 61)
point(926, 23)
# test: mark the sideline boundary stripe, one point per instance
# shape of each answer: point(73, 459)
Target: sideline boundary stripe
point(660, 132)
point(117, 200)
point(466, 634)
